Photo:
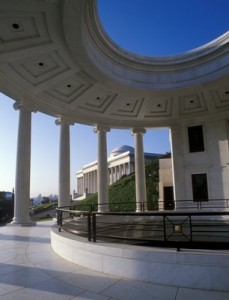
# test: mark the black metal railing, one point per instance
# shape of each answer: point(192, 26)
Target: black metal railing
point(200, 205)
point(194, 228)
point(209, 230)
point(75, 221)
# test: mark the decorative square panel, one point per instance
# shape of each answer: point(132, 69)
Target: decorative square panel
point(159, 108)
point(98, 104)
point(128, 107)
point(177, 230)
point(21, 30)
point(220, 97)
point(16, 28)
point(39, 69)
point(192, 103)
point(69, 89)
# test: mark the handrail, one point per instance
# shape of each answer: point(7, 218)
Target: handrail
point(192, 229)
point(167, 229)
point(69, 214)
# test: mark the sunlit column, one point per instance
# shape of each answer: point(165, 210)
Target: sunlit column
point(64, 163)
point(22, 182)
point(102, 173)
point(140, 181)
point(94, 181)
point(177, 149)
point(90, 182)
point(112, 175)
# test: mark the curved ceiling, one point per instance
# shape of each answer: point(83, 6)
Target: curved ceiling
point(55, 56)
point(164, 27)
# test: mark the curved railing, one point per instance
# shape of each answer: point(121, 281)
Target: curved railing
point(195, 228)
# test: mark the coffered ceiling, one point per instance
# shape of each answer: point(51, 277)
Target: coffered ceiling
point(56, 58)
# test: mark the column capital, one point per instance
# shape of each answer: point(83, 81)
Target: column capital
point(175, 128)
point(101, 127)
point(138, 130)
point(63, 121)
point(22, 104)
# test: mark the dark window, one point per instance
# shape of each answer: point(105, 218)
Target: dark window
point(199, 187)
point(168, 198)
point(196, 139)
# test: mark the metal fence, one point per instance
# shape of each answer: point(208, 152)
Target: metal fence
point(202, 227)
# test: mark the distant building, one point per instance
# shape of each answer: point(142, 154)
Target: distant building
point(120, 162)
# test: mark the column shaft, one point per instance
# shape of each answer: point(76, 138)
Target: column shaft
point(64, 165)
point(102, 173)
point(22, 182)
point(140, 181)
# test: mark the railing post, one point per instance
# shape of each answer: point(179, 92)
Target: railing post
point(94, 226)
point(61, 217)
point(164, 227)
point(89, 226)
point(190, 221)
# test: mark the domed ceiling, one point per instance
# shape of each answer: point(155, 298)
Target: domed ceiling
point(57, 59)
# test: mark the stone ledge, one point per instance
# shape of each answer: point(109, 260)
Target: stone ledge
point(188, 268)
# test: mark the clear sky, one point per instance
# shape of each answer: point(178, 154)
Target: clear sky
point(146, 27)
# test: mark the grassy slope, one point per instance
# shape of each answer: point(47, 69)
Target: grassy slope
point(123, 190)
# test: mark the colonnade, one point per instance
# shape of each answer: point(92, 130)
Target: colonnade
point(116, 172)
point(88, 180)
point(22, 181)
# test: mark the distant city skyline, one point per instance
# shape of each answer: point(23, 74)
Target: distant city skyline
point(145, 27)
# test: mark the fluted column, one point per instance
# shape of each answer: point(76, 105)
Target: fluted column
point(22, 181)
point(102, 175)
point(177, 149)
point(64, 163)
point(140, 181)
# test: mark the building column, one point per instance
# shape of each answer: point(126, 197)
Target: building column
point(102, 173)
point(140, 181)
point(64, 163)
point(177, 145)
point(22, 181)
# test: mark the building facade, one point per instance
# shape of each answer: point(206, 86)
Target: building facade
point(199, 167)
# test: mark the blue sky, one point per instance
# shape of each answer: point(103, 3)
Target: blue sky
point(146, 27)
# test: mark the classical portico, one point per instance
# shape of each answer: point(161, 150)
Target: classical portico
point(81, 76)
point(120, 162)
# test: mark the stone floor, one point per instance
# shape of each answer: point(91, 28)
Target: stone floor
point(30, 270)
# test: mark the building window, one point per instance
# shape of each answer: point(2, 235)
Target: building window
point(199, 187)
point(196, 139)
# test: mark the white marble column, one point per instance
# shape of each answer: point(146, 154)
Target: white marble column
point(22, 181)
point(102, 173)
point(140, 181)
point(64, 163)
point(177, 149)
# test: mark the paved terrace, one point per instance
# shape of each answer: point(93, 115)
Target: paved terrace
point(29, 269)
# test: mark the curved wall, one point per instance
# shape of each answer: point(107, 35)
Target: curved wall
point(194, 269)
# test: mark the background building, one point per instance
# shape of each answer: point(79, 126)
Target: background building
point(120, 162)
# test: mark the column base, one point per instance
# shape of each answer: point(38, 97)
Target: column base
point(22, 224)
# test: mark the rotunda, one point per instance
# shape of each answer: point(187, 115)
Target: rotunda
point(57, 59)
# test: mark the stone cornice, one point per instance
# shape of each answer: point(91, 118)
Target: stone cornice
point(200, 65)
